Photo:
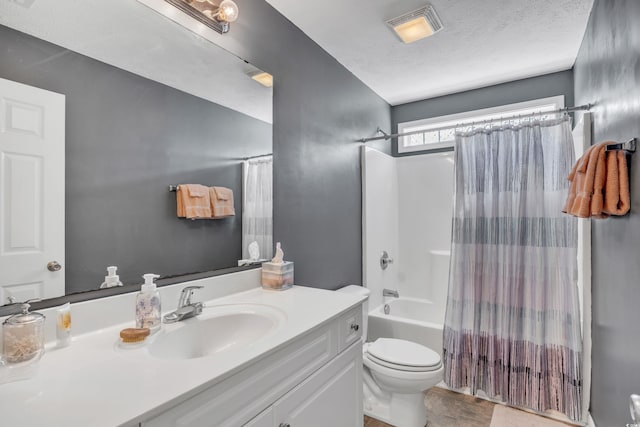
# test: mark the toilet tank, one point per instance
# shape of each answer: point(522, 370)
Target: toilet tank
point(360, 290)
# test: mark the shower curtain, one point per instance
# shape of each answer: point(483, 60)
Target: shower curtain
point(257, 207)
point(512, 326)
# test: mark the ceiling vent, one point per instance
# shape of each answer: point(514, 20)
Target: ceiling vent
point(416, 25)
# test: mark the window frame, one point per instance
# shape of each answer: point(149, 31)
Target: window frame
point(508, 110)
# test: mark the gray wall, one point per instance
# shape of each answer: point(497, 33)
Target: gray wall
point(507, 93)
point(320, 109)
point(607, 72)
point(127, 139)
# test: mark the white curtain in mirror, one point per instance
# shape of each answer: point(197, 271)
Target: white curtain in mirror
point(257, 214)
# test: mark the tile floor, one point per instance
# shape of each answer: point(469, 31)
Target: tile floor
point(450, 409)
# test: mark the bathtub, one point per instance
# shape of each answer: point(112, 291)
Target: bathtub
point(412, 319)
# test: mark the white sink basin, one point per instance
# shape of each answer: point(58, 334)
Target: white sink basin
point(218, 329)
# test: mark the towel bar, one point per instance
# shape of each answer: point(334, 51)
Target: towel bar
point(629, 146)
point(173, 188)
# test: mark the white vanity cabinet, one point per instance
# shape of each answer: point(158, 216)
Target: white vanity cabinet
point(315, 380)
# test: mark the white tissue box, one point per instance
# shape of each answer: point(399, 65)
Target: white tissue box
point(277, 276)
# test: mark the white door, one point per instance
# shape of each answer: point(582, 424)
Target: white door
point(32, 124)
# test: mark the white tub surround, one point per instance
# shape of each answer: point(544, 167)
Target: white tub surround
point(407, 207)
point(379, 222)
point(95, 383)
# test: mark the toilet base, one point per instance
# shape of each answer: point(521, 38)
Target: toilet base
point(404, 410)
point(399, 410)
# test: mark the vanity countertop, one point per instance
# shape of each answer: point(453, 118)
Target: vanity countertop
point(95, 383)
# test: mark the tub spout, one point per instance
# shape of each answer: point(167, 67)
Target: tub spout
point(390, 293)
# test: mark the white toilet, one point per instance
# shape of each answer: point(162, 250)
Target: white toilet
point(395, 374)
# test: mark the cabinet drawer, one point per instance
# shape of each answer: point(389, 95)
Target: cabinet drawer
point(237, 399)
point(350, 327)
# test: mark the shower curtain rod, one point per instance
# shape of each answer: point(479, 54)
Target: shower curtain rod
point(257, 157)
point(386, 136)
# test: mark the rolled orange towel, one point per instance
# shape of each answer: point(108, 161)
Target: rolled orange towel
point(599, 184)
point(580, 202)
point(616, 196)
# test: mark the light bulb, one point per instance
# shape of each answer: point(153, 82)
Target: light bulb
point(228, 11)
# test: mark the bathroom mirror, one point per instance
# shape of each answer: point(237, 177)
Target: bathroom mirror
point(147, 104)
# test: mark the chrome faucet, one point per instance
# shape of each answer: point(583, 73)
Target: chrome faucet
point(186, 308)
point(390, 293)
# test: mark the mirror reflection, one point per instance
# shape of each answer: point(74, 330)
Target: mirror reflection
point(100, 118)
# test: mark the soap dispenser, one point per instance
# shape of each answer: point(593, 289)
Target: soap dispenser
point(111, 279)
point(148, 308)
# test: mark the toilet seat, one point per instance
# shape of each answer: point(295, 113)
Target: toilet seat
point(402, 355)
point(403, 368)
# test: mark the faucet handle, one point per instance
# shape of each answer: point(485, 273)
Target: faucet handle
point(186, 294)
point(385, 260)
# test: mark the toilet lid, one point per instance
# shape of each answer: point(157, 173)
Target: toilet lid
point(404, 353)
point(404, 368)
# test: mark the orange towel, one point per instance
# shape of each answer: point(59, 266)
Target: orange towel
point(599, 184)
point(193, 201)
point(221, 202)
point(616, 196)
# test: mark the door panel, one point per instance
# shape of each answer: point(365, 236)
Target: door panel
point(23, 118)
point(22, 220)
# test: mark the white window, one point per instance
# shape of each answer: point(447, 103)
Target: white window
point(439, 132)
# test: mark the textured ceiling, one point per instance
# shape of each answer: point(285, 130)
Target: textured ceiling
point(135, 38)
point(482, 43)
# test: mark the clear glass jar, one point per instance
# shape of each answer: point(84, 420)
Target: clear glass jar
point(23, 336)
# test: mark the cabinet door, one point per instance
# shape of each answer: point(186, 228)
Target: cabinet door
point(330, 397)
point(263, 419)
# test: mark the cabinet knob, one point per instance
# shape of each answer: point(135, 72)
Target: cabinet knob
point(355, 327)
point(284, 425)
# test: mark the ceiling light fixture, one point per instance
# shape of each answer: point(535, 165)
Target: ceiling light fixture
point(416, 25)
point(262, 77)
point(214, 14)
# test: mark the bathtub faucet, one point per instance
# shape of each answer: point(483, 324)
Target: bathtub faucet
point(390, 293)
